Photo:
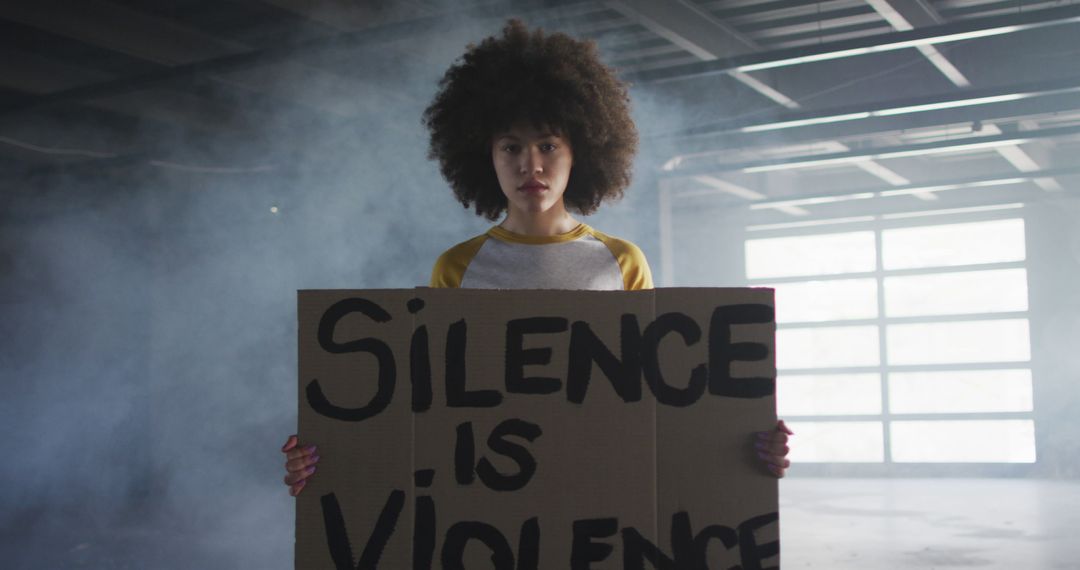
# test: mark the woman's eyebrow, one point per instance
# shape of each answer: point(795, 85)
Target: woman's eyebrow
point(514, 138)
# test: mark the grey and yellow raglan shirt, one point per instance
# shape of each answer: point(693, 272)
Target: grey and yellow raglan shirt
point(582, 258)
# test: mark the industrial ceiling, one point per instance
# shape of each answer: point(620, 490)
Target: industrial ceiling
point(793, 108)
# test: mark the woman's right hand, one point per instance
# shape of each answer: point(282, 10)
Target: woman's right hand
point(299, 464)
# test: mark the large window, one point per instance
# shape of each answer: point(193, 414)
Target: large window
point(901, 341)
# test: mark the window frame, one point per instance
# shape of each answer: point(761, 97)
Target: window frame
point(879, 224)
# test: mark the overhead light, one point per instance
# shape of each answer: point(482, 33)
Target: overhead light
point(974, 28)
point(969, 210)
point(805, 164)
point(812, 201)
point(803, 59)
point(950, 104)
point(810, 223)
point(883, 155)
point(892, 46)
point(959, 37)
point(904, 44)
point(953, 148)
point(895, 216)
point(815, 200)
point(944, 187)
point(806, 122)
point(672, 163)
point(904, 110)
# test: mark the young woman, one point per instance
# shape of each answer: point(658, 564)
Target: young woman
point(534, 128)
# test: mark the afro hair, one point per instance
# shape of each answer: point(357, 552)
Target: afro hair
point(549, 80)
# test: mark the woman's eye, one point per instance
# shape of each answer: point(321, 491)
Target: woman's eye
point(547, 147)
point(511, 148)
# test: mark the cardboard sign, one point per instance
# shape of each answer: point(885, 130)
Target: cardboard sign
point(528, 429)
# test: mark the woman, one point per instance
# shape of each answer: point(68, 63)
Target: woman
point(535, 128)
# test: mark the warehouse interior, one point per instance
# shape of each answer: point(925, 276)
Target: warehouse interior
point(905, 173)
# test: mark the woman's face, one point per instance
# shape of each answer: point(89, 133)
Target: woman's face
point(533, 167)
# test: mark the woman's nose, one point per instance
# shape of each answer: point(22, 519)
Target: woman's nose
point(532, 162)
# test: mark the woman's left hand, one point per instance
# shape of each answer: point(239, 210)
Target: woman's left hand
point(772, 448)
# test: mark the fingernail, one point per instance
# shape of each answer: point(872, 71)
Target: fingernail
point(314, 458)
point(762, 455)
point(763, 434)
point(759, 444)
point(309, 448)
point(310, 470)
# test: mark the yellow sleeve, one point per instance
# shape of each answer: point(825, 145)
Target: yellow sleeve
point(635, 268)
point(450, 267)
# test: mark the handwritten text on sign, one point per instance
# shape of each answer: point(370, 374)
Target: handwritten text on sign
point(606, 419)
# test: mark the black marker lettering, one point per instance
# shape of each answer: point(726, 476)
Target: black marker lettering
point(517, 357)
point(456, 394)
point(526, 462)
point(752, 552)
point(424, 533)
point(586, 348)
point(722, 352)
point(650, 360)
point(387, 370)
point(529, 545)
point(637, 549)
point(420, 370)
point(583, 551)
point(691, 551)
point(337, 539)
point(464, 454)
point(462, 532)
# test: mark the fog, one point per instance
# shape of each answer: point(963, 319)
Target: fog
point(149, 310)
point(148, 297)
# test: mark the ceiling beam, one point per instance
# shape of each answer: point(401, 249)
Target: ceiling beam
point(911, 14)
point(730, 134)
point(38, 76)
point(905, 15)
point(1024, 159)
point(699, 33)
point(931, 35)
point(709, 39)
point(350, 15)
point(876, 153)
point(239, 66)
point(934, 186)
point(686, 26)
point(344, 16)
point(968, 98)
point(183, 52)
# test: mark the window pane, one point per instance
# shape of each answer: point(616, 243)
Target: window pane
point(835, 300)
point(826, 347)
point(953, 244)
point(825, 254)
point(828, 395)
point(960, 391)
point(841, 442)
point(1004, 340)
point(994, 291)
point(964, 441)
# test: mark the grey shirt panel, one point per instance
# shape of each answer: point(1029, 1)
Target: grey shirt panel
point(582, 264)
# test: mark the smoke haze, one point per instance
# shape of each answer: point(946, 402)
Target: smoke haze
point(148, 295)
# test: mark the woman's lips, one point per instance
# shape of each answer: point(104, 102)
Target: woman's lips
point(532, 187)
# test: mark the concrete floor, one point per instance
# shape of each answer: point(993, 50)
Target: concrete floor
point(833, 524)
point(872, 524)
